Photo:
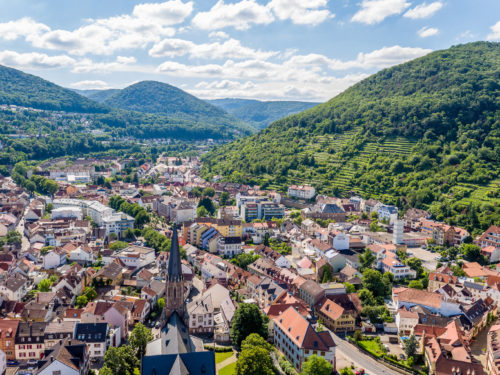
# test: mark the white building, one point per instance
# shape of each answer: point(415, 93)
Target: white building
point(301, 191)
point(397, 232)
point(229, 246)
point(136, 256)
point(53, 259)
point(69, 212)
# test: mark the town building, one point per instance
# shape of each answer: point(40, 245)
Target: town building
point(301, 191)
point(295, 337)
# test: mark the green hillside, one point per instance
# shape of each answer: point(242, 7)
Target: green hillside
point(27, 90)
point(424, 134)
point(161, 98)
point(97, 95)
point(260, 114)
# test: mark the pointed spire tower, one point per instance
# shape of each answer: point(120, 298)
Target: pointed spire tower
point(174, 286)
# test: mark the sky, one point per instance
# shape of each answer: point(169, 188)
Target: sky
point(308, 50)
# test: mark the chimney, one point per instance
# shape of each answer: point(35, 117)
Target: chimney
point(51, 358)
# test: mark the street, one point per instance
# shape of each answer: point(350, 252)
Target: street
point(350, 352)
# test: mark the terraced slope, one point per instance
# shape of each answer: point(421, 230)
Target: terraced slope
point(421, 134)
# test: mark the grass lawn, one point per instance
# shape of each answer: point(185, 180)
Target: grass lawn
point(371, 346)
point(219, 357)
point(228, 370)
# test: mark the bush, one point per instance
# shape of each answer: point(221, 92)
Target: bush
point(286, 366)
point(218, 349)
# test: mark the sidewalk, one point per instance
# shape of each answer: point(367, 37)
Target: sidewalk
point(226, 362)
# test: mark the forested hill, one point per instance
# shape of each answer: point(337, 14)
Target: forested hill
point(259, 113)
point(425, 133)
point(26, 90)
point(161, 98)
point(97, 95)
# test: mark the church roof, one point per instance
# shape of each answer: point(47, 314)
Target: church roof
point(174, 260)
point(174, 338)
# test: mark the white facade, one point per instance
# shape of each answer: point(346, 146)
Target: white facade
point(136, 256)
point(397, 233)
point(67, 213)
point(3, 362)
point(301, 191)
point(59, 368)
point(228, 248)
point(53, 260)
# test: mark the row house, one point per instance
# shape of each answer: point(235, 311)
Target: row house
point(493, 350)
point(8, 332)
point(443, 234)
point(30, 340)
point(67, 357)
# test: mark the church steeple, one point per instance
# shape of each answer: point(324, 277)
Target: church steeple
point(174, 286)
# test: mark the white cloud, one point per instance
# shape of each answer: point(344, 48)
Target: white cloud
point(495, 32)
point(301, 12)
point(238, 15)
point(22, 27)
point(375, 11)
point(229, 49)
point(168, 13)
point(381, 58)
point(423, 10)
point(146, 24)
point(121, 64)
point(90, 85)
point(34, 60)
point(425, 31)
point(218, 35)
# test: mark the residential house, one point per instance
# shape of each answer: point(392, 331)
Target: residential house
point(8, 332)
point(493, 350)
point(301, 191)
point(490, 237)
point(311, 293)
point(53, 259)
point(295, 337)
point(30, 340)
point(58, 330)
point(94, 335)
point(434, 302)
point(335, 317)
point(14, 287)
point(67, 357)
point(406, 320)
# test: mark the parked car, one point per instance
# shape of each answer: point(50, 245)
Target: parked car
point(12, 362)
point(157, 325)
point(32, 363)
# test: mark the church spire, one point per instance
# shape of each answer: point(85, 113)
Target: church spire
point(174, 283)
point(174, 272)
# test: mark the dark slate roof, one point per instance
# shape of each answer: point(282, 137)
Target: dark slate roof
point(198, 363)
point(174, 260)
point(91, 332)
point(331, 208)
point(174, 338)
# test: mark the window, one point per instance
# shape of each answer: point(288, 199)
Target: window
point(97, 345)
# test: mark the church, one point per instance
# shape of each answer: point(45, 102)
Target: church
point(175, 352)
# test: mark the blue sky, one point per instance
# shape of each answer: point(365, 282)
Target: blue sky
point(263, 49)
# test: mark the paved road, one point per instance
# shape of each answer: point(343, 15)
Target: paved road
point(352, 353)
point(20, 228)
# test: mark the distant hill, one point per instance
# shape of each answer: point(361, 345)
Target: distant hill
point(28, 90)
point(161, 98)
point(421, 134)
point(259, 113)
point(97, 95)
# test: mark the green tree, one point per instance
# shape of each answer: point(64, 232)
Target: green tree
point(90, 293)
point(315, 365)
point(209, 192)
point(224, 197)
point(161, 303)
point(247, 319)
point(411, 346)
point(254, 361)
point(366, 259)
point(255, 340)
point(141, 218)
point(139, 338)
point(44, 250)
point(202, 212)
point(471, 252)
point(118, 245)
point(44, 285)
point(349, 287)
point(415, 264)
point(208, 204)
point(81, 301)
point(416, 284)
point(121, 361)
point(374, 282)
